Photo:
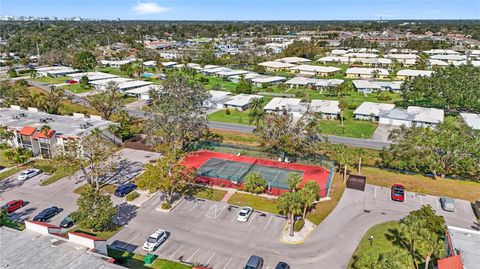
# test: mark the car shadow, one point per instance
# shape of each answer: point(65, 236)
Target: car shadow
point(21, 216)
point(126, 212)
point(120, 245)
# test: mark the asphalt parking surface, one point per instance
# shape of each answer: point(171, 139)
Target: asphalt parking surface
point(215, 218)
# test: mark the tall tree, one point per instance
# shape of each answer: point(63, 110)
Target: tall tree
point(109, 101)
point(345, 157)
point(176, 116)
point(293, 181)
point(309, 193)
point(290, 204)
point(84, 60)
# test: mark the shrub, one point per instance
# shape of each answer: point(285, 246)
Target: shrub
point(268, 89)
point(227, 112)
point(3, 146)
point(297, 227)
point(254, 183)
point(45, 167)
point(384, 96)
point(300, 94)
point(166, 205)
point(132, 196)
point(12, 73)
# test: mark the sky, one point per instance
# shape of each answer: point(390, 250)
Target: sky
point(245, 9)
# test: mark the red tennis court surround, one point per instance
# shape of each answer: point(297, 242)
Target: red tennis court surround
point(310, 172)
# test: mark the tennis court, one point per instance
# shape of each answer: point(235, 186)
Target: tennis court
point(236, 171)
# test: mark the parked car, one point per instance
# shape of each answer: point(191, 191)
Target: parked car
point(67, 222)
point(28, 174)
point(125, 189)
point(398, 193)
point(282, 265)
point(13, 205)
point(155, 240)
point(476, 209)
point(255, 262)
point(244, 214)
point(448, 204)
point(47, 214)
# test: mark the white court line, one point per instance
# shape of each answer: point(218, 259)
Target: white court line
point(193, 255)
point(271, 217)
point(226, 265)
point(173, 254)
point(251, 219)
point(211, 257)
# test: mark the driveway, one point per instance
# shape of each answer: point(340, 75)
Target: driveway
point(383, 131)
point(207, 232)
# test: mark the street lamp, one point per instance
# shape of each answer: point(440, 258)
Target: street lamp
point(371, 240)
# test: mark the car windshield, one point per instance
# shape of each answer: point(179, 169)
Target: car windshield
point(398, 192)
point(151, 240)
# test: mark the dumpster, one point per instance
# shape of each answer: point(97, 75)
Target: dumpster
point(150, 258)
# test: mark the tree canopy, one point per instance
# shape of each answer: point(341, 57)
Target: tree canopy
point(84, 60)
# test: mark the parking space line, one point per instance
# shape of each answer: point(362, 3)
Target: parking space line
point(375, 192)
point(130, 241)
point(421, 200)
point(193, 255)
point(436, 201)
point(251, 219)
point(193, 207)
point(173, 254)
point(211, 257)
point(271, 217)
point(234, 217)
point(226, 265)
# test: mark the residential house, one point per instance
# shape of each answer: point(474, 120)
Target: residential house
point(407, 74)
point(277, 104)
point(55, 71)
point(92, 76)
point(217, 99)
point(276, 66)
point(315, 70)
point(294, 60)
point(328, 109)
point(366, 73)
point(472, 120)
point(260, 81)
point(413, 116)
point(240, 101)
point(371, 111)
point(366, 86)
point(115, 63)
point(461, 249)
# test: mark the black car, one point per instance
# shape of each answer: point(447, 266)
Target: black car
point(66, 222)
point(255, 262)
point(46, 214)
point(282, 265)
point(125, 189)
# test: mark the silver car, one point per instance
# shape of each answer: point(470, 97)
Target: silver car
point(28, 174)
point(448, 204)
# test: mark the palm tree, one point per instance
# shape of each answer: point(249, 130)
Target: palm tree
point(256, 103)
point(343, 105)
point(360, 153)
point(309, 192)
point(293, 181)
point(256, 113)
point(33, 73)
point(290, 204)
point(344, 156)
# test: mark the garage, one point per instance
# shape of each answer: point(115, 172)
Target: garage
point(396, 117)
point(356, 182)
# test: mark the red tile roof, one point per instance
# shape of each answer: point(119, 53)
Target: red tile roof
point(452, 262)
point(28, 130)
point(46, 135)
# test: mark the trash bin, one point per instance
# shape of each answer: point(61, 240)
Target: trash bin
point(150, 258)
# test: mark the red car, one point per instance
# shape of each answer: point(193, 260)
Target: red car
point(13, 205)
point(398, 193)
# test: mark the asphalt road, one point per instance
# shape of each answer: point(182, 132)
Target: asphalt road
point(207, 232)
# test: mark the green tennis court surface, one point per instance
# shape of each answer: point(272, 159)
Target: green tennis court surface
point(236, 171)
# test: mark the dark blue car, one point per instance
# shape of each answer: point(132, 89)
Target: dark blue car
point(125, 189)
point(46, 214)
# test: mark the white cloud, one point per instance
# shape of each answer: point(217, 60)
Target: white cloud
point(149, 8)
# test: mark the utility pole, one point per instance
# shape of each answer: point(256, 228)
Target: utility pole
point(38, 51)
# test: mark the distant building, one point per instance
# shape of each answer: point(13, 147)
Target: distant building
point(412, 117)
point(367, 73)
point(371, 111)
point(472, 120)
point(315, 70)
point(406, 74)
point(327, 109)
point(276, 66)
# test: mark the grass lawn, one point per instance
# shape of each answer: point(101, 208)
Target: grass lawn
point(102, 235)
point(113, 71)
point(52, 80)
point(128, 100)
point(236, 116)
point(237, 137)
point(211, 194)
point(322, 209)
point(10, 172)
point(136, 261)
point(76, 88)
point(254, 201)
point(60, 171)
point(105, 189)
point(380, 243)
point(462, 189)
point(351, 128)
point(3, 162)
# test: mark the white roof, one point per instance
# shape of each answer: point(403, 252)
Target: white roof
point(434, 62)
point(372, 60)
point(294, 60)
point(441, 51)
point(277, 103)
point(267, 79)
point(402, 56)
point(229, 73)
point(426, 114)
point(208, 66)
point(325, 106)
point(51, 68)
point(414, 73)
point(298, 81)
point(467, 243)
point(361, 55)
point(334, 59)
point(275, 64)
point(93, 75)
point(328, 82)
point(218, 94)
point(370, 108)
point(133, 84)
point(338, 52)
point(448, 57)
point(149, 63)
point(118, 62)
point(241, 99)
point(167, 64)
point(365, 84)
point(105, 81)
point(217, 70)
point(315, 68)
point(366, 71)
point(472, 120)
point(143, 90)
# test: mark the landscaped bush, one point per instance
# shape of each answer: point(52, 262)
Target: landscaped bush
point(297, 227)
point(132, 196)
point(254, 183)
point(227, 111)
point(3, 146)
point(384, 96)
point(45, 167)
point(166, 205)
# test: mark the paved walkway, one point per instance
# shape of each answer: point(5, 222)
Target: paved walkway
point(230, 193)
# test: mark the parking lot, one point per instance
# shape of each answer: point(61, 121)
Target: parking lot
point(191, 220)
point(377, 198)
